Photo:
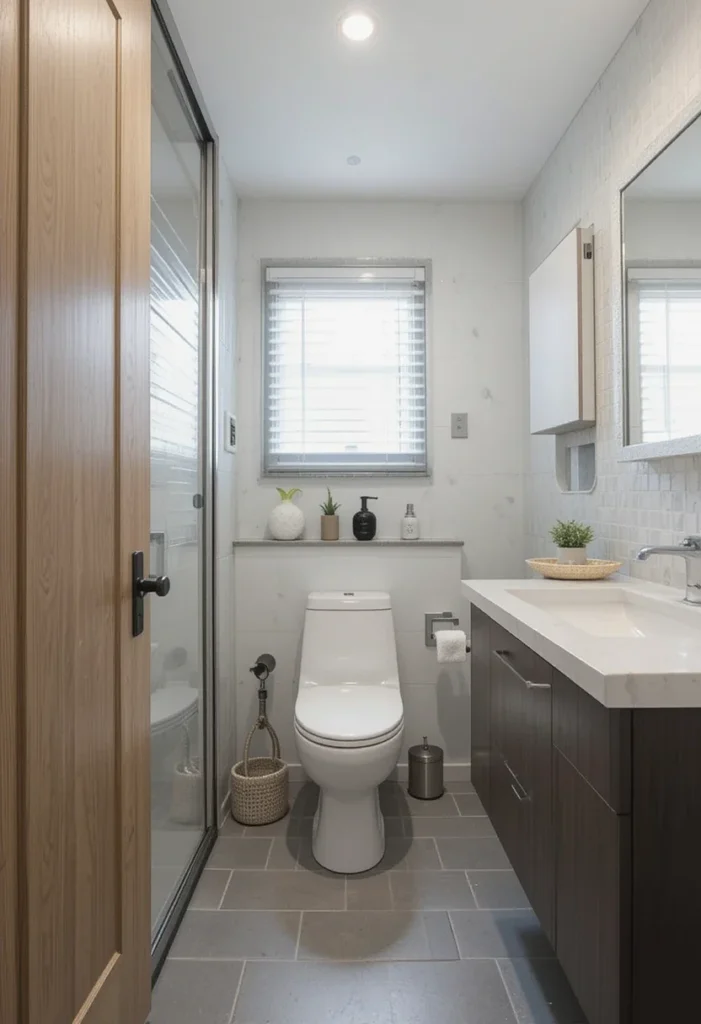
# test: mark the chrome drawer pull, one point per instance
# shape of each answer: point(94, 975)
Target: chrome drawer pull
point(516, 784)
point(503, 656)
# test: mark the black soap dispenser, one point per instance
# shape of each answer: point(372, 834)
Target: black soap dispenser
point(365, 522)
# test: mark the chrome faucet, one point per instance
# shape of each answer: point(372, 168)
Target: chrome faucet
point(690, 550)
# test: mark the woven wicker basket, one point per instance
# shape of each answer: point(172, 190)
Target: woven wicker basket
point(594, 569)
point(259, 785)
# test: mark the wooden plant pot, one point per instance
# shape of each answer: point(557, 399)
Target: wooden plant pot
point(329, 527)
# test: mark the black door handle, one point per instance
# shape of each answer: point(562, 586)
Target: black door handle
point(158, 585)
point(140, 586)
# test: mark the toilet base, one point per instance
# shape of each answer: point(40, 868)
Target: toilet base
point(349, 831)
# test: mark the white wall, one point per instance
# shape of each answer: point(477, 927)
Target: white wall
point(225, 485)
point(271, 588)
point(475, 493)
point(663, 229)
point(653, 78)
point(475, 364)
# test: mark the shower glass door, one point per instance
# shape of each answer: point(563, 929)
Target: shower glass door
point(180, 753)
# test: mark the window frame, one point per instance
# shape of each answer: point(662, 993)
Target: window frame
point(365, 263)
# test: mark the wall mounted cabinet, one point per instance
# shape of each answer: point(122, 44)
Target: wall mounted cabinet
point(561, 337)
point(599, 811)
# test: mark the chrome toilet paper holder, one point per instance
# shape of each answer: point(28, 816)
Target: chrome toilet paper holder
point(430, 618)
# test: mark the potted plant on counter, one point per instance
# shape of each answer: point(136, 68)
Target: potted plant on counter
point(571, 539)
point(329, 519)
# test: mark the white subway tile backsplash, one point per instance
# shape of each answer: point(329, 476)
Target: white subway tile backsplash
point(651, 81)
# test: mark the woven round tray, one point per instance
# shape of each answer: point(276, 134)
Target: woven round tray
point(595, 569)
point(259, 785)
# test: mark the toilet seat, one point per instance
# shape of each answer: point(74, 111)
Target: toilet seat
point(324, 741)
point(349, 715)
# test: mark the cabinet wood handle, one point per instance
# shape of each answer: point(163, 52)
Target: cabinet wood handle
point(504, 656)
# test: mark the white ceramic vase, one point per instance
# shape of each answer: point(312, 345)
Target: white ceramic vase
point(286, 521)
point(572, 556)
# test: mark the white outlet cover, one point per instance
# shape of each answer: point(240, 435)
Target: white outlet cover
point(230, 435)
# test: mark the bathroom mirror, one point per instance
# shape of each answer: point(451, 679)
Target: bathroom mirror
point(661, 298)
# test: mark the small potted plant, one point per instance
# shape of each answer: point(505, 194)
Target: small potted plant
point(571, 539)
point(329, 519)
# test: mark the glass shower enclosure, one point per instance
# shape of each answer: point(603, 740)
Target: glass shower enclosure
point(182, 814)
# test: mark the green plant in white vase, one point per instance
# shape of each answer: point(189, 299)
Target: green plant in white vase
point(571, 539)
point(286, 521)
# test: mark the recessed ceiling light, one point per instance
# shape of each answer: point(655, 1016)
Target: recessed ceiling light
point(353, 161)
point(357, 26)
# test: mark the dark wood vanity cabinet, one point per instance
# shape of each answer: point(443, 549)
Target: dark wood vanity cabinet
point(599, 811)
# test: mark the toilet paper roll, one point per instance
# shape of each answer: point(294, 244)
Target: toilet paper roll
point(451, 646)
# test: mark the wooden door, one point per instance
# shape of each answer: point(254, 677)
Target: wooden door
point(81, 913)
point(9, 225)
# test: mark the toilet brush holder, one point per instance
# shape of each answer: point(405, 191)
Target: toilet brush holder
point(187, 796)
point(260, 785)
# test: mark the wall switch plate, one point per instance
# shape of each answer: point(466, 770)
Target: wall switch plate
point(458, 424)
point(229, 433)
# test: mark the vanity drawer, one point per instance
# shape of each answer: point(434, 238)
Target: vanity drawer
point(595, 739)
point(521, 688)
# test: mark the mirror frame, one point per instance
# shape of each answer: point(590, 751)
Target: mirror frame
point(651, 449)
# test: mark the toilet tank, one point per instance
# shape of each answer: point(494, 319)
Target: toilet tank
point(348, 638)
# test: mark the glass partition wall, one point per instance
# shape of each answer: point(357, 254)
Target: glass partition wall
point(182, 816)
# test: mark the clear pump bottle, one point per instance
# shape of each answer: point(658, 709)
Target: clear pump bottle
point(410, 524)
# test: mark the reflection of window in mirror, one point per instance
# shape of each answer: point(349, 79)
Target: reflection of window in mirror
point(662, 244)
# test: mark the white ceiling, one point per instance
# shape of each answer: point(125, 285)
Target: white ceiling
point(453, 99)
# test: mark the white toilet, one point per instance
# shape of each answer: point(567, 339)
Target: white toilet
point(349, 721)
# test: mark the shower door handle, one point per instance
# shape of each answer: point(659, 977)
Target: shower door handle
point(140, 586)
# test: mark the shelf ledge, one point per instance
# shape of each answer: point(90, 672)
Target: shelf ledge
point(379, 542)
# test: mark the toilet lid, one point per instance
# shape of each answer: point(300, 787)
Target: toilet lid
point(349, 713)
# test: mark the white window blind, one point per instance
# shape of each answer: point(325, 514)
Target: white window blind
point(345, 370)
point(668, 313)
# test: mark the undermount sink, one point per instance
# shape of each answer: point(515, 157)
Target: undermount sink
point(615, 612)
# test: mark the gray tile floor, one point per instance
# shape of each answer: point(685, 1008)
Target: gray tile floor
point(440, 930)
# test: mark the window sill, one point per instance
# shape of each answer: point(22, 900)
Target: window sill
point(367, 474)
point(379, 542)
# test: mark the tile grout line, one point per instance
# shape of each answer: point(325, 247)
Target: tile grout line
point(226, 887)
point(438, 854)
point(452, 932)
point(506, 989)
point(299, 935)
point(467, 878)
point(356, 960)
point(457, 806)
point(270, 853)
point(237, 993)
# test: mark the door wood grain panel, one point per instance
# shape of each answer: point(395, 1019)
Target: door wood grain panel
point(9, 754)
point(86, 679)
point(134, 503)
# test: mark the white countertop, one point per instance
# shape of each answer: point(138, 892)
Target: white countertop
point(616, 658)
